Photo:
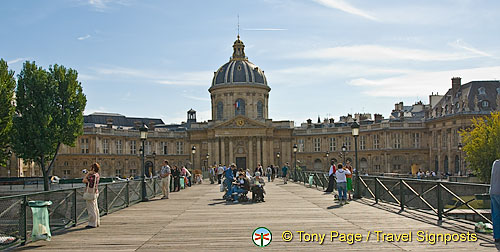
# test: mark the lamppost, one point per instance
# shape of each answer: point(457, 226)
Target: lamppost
point(355, 133)
point(9, 155)
point(343, 153)
point(154, 163)
point(278, 157)
point(206, 165)
point(193, 151)
point(295, 148)
point(144, 135)
point(326, 155)
point(460, 158)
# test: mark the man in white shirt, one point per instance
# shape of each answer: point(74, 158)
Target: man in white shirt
point(340, 175)
point(165, 179)
point(220, 171)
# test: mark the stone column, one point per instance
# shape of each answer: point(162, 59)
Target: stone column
point(222, 151)
point(216, 151)
point(250, 154)
point(265, 153)
point(211, 152)
point(259, 159)
point(271, 153)
point(231, 160)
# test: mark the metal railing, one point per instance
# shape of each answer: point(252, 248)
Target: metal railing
point(468, 201)
point(68, 207)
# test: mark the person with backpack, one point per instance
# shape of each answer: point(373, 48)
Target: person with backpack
point(284, 173)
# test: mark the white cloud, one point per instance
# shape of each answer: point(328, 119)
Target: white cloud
point(84, 37)
point(423, 83)
point(462, 45)
point(200, 78)
point(14, 61)
point(102, 5)
point(346, 7)
point(265, 29)
point(197, 98)
point(378, 52)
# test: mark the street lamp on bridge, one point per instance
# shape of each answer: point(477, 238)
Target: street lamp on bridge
point(295, 148)
point(343, 153)
point(193, 151)
point(144, 135)
point(355, 133)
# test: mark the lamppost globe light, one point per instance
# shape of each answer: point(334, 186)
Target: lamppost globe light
point(208, 155)
point(295, 147)
point(144, 132)
point(355, 128)
point(278, 155)
point(327, 154)
point(460, 146)
point(193, 150)
point(154, 154)
point(344, 149)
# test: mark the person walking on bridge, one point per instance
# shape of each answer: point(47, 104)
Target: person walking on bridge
point(284, 173)
point(331, 177)
point(165, 179)
point(495, 199)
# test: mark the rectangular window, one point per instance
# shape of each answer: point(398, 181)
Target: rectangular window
point(180, 148)
point(415, 140)
point(377, 167)
point(455, 137)
point(66, 173)
point(133, 149)
point(362, 142)
point(164, 149)
point(347, 142)
point(444, 143)
point(317, 144)
point(333, 144)
point(435, 138)
point(118, 172)
point(376, 142)
point(84, 145)
point(300, 145)
point(105, 146)
point(119, 149)
point(148, 148)
point(397, 140)
point(396, 167)
point(133, 172)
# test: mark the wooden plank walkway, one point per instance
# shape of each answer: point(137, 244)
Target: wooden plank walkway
point(197, 219)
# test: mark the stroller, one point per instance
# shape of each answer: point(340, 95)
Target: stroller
point(258, 193)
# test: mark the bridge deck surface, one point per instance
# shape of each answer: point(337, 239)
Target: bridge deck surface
point(197, 219)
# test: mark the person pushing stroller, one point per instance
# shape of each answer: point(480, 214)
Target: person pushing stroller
point(258, 188)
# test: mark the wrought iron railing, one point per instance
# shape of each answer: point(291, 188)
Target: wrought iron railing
point(69, 208)
point(441, 198)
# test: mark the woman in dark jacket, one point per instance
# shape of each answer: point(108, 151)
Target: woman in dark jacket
point(176, 174)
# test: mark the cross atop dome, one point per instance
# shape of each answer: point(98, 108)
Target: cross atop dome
point(239, 50)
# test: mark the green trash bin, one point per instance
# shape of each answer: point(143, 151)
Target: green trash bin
point(41, 226)
point(311, 178)
point(182, 182)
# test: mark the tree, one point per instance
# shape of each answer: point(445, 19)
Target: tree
point(7, 86)
point(482, 144)
point(50, 107)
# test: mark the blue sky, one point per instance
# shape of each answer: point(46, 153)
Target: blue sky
point(321, 57)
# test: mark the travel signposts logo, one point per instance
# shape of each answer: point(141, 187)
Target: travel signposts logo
point(262, 237)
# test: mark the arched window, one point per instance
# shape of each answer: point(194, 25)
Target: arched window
point(485, 104)
point(220, 110)
point(260, 110)
point(457, 164)
point(445, 164)
point(239, 107)
point(436, 164)
point(481, 90)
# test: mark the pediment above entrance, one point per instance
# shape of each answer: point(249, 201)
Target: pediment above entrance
point(240, 122)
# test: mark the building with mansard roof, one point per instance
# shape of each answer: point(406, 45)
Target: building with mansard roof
point(421, 136)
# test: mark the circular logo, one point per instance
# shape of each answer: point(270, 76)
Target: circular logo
point(240, 122)
point(262, 237)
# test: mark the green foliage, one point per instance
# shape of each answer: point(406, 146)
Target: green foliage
point(50, 107)
point(7, 86)
point(482, 144)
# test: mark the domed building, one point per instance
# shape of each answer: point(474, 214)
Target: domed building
point(240, 130)
point(239, 88)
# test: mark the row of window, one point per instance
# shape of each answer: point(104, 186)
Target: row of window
point(239, 109)
point(346, 141)
point(118, 172)
point(132, 147)
point(454, 134)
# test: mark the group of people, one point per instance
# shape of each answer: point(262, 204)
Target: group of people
point(171, 178)
point(343, 176)
point(216, 173)
point(239, 182)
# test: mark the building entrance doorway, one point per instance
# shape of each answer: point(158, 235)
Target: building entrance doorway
point(241, 162)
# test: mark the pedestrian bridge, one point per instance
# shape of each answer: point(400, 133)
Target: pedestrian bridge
point(197, 219)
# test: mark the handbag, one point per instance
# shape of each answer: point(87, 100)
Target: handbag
point(91, 195)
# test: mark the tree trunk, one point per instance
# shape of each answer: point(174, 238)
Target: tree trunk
point(51, 165)
point(46, 183)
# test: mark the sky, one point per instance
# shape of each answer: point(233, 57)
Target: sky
point(323, 58)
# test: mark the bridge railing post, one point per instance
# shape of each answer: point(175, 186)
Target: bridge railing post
point(439, 203)
point(376, 190)
point(401, 195)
